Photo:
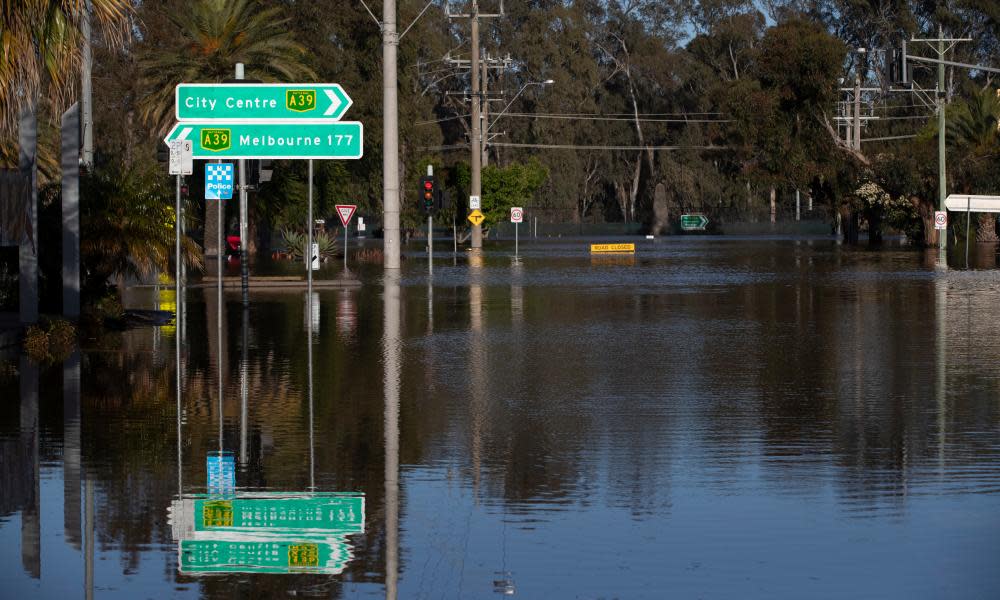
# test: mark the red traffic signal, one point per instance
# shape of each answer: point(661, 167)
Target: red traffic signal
point(427, 193)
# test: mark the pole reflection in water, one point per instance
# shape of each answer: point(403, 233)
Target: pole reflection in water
point(31, 550)
point(244, 410)
point(71, 450)
point(309, 352)
point(391, 357)
point(88, 557)
point(941, 361)
point(477, 365)
point(517, 292)
point(347, 314)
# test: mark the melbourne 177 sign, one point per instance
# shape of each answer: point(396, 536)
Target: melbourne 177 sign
point(340, 139)
point(269, 120)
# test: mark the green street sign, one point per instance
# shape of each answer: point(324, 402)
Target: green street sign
point(264, 555)
point(694, 222)
point(319, 140)
point(257, 102)
point(281, 514)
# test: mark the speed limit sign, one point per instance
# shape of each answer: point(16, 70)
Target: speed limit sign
point(940, 219)
point(516, 214)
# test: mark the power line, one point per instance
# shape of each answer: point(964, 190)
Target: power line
point(890, 137)
point(456, 117)
point(616, 118)
point(580, 147)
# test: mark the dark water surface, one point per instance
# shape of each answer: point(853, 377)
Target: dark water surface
point(715, 418)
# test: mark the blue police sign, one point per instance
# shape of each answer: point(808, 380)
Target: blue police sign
point(218, 181)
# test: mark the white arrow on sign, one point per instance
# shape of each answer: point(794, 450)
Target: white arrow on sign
point(335, 103)
point(972, 203)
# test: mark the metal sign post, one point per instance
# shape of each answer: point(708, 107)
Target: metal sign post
point(516, 217)
point(307, 255)
point(181, 163)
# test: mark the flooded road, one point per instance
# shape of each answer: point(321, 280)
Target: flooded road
point(711, 418)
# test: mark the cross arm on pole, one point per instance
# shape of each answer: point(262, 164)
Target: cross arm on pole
point(952, 63)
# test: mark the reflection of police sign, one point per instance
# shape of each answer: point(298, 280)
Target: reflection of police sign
point(218, 181)
point(516, 214)
point(940, 219)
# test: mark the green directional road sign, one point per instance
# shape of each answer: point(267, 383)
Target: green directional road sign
point(692, 222)
point(222, 139)
point(256, 102)
point(264, 555)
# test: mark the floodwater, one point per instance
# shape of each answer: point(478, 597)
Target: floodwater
point(712, 418)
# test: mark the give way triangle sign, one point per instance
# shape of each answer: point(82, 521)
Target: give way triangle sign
point(345, 212)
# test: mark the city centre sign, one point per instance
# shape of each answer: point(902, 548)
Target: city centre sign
point(256, 102)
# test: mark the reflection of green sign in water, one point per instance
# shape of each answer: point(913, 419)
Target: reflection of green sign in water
point(264, 556)
point(266, 532)
point(278, 513)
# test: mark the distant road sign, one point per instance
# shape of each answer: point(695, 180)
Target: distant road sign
point(476, 217)
point(516, 214)
point(218, 181)
point(181, 156)
point(475, 203)
point(972, 203)
point(693, 222)
point(613, 248)
point(256, 102)
point(345, 212)
point(940, 219)
point(340, 140)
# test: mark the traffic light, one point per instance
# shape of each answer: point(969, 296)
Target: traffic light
point(428, 194)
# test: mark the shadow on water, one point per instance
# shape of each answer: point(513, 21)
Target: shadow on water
point(726, 417)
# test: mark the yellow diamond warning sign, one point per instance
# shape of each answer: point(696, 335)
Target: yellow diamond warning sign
point(476, 217)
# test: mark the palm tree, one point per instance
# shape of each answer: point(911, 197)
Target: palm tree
point(128, 227)
point(972, 130)
point(216, 35)
point(42, 43)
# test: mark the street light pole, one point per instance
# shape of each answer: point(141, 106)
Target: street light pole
point(390, 138)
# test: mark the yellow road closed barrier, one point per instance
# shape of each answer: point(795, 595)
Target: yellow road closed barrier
point(598, 248)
